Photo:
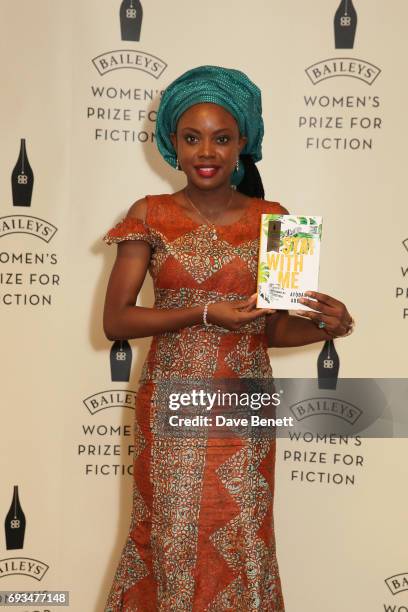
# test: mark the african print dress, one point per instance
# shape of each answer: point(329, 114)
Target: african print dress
point(201, 536)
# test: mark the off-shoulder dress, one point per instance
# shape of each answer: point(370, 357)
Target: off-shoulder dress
point(202, 535)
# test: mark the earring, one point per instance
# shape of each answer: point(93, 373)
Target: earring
point(237, 165)
point(177, 164)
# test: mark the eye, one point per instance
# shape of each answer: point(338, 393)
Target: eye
point(223, 139)
point(190, 138)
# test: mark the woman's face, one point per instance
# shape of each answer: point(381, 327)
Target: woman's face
point(208, 144)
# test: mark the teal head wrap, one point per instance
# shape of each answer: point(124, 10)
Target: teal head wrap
point(227, 87)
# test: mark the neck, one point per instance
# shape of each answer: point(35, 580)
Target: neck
point(211, 200)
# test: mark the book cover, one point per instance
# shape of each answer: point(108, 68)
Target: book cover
point(288, 264)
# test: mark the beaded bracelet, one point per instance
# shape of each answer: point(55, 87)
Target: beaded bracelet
point(206, 323)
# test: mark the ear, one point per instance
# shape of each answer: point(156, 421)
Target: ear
point(242, 142)
point(173, 139)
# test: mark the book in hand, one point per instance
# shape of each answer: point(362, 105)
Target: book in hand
point(288, 264)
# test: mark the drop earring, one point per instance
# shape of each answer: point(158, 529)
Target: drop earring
point(237, 165)
point(177, 164)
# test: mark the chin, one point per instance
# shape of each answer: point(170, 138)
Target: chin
point(208, 184)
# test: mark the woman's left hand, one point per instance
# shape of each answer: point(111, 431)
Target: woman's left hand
point(332, 312)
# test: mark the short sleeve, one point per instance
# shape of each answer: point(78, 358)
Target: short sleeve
point(130, 228)
point(275, 208)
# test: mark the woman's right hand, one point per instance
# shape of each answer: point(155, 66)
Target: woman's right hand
point(235, 314)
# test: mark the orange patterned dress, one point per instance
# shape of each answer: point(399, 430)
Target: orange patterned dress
point(201, 535)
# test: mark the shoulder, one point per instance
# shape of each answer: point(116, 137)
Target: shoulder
point(149, 208)
point(272, 207)
point(133, 226)
point(138, 210)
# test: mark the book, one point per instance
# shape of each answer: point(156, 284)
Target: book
point(288, 263)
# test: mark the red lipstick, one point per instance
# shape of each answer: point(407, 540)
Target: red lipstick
point(207, 171)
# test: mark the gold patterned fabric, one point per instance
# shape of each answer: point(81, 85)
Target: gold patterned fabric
point(202, 534)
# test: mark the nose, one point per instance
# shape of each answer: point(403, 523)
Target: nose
point(206, 148)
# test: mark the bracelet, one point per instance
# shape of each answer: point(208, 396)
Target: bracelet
point(206, 323)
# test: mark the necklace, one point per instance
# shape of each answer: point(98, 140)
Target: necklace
point(208, 222)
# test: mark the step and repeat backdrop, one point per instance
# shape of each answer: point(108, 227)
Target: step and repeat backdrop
point(81, 83)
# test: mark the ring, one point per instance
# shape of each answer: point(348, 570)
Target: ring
point(321, 324)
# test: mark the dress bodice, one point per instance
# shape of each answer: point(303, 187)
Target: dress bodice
point(189, 268)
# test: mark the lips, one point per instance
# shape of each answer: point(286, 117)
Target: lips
point(207, 171)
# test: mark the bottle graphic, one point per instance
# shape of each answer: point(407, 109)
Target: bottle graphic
point(345, 23)
point(274, 236)
point(120, 361)
point(15, 523)
point(328, 364)
point(22, 178)
point(131, 16)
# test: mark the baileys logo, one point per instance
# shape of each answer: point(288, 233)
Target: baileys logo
point(131, 17)
point(125, 58)
point(345, 25)
point(22, 184)
point(397, 583)
point(23, 566)
point(112, 398)
point(317, 406)
point(343, 67)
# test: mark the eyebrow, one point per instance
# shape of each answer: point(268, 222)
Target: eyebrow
point(226, 129)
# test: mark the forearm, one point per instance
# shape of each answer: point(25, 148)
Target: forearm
point(139, 322)
point(284, 330)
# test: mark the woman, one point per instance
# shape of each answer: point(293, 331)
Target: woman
point(201, 534)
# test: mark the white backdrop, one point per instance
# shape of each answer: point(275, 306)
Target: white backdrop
point(89, 136)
